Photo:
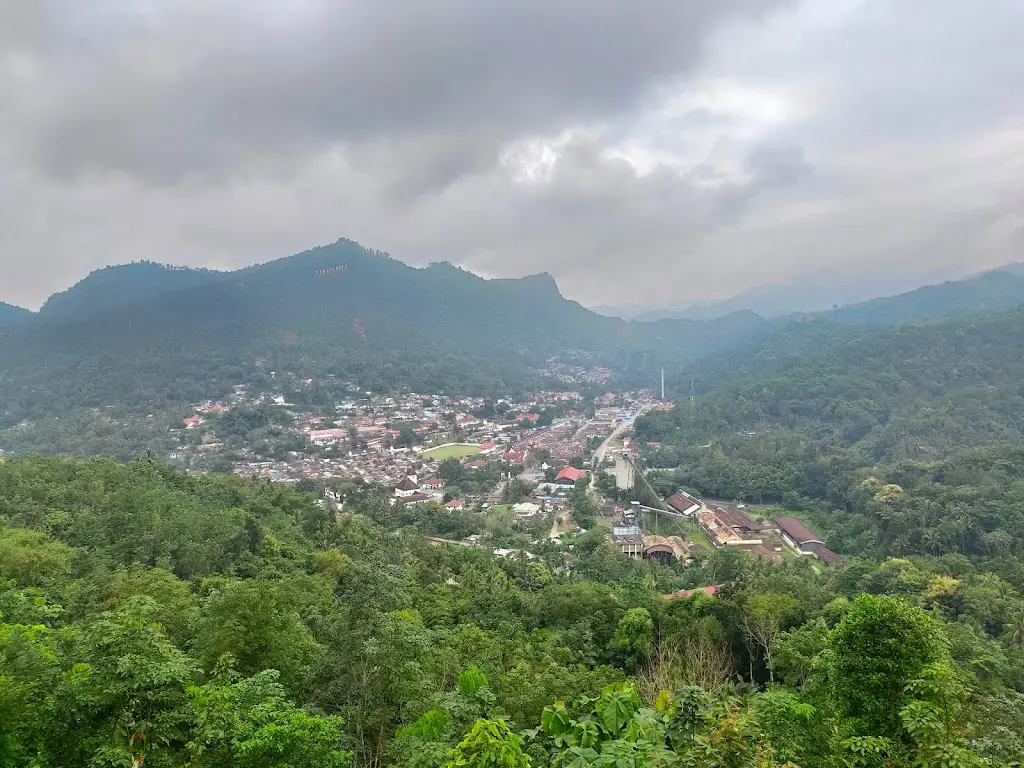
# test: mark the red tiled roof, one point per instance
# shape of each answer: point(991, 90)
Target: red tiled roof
point(571, 474)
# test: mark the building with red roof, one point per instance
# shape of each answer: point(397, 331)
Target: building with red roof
point(571, 474)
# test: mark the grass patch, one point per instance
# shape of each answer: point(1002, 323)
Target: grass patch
point(698, 537)
point(452, 451)
point(789, 556)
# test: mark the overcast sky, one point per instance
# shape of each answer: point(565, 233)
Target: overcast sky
point(641, 153)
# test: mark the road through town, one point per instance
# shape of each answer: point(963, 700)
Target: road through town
point(602, 449)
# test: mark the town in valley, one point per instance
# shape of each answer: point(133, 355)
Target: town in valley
point(509, 474)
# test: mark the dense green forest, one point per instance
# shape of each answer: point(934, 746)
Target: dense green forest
point(150, 618)
point(149, 337)
point(907, 392)
point(905, 440)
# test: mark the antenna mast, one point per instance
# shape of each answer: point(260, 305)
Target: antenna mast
point(662, 383)
point(693, 401)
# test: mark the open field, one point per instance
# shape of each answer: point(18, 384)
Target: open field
point(452, 451)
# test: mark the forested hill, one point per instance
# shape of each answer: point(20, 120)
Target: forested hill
point(995, 291)
point(903, 440)
point(913, 391)
point(148, 618)
point(10, 314)
point(147, 336)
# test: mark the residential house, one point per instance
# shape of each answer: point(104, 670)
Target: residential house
point(526, 509)
point(407, 487)
point(433, 484)
point(569, 475)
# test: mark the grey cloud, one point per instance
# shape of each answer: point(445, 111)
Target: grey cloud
point(199, 87)
point(851, 136)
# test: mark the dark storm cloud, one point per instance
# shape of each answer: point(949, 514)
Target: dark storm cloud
point(197, 87)
point(636, 151)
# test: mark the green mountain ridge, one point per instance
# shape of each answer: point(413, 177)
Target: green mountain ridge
point(12, 315)
point(910, 391)
point(148, 336)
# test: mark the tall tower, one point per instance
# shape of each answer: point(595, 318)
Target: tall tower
point(663, 383)
point(693, 401)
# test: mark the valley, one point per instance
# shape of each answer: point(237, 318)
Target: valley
point(394, 504)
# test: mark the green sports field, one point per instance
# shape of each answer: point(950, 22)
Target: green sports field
point(455, 450)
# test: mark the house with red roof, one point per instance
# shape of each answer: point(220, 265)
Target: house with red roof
point(192, 422)
point(570, 475)
point(709, 591)
point(515, 457)
point(454, 505)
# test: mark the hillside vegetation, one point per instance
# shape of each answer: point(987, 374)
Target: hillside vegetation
point(899, 440)
point(913, 391)
point(11, 315)
point(150, 337)
point(149, 618)
point(147, 337)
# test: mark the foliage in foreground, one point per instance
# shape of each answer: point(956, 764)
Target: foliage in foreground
point(155, 619)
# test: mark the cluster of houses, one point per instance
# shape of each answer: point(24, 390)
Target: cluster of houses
point(575, 374)
point(380, 439)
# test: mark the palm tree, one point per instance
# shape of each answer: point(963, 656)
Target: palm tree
point(931, 539)
point(1015, 630)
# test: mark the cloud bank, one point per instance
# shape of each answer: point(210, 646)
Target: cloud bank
point(641, 154)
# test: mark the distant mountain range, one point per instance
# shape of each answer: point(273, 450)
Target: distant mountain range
point(147, 336)
point(809, 293)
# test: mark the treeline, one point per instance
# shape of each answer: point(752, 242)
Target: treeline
point(151, 618)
